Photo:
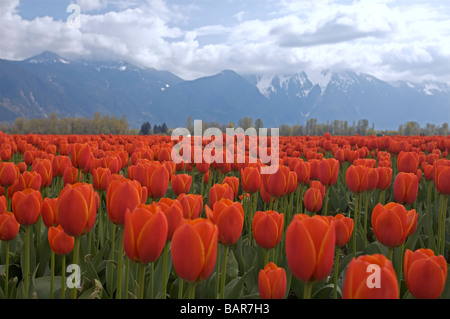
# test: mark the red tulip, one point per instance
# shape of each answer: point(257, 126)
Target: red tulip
point(442, 179)
point(181, 183)
point(61, 243)
point(9, 227)
point(328, 171)
point(407, 162)
point(173, 210)
point(355, 178)
point(145, 233)
point(219, 191)
point(100, 178)
point(48, 212)
point(233, 182)
point(250, 179)
point(44, 168)
point(344, 229)
point(392, 223)
point(384, 177)
point(313, 199)
point(272, 282)
point(425, 273)
point(26, 206)
point(406, 186)
point(370, 277)
point(192, 205)
point(123, 194)
point(76, 209)
point(194, 249)
point(229, 218)
point(8, 173)
point(267, 228)
point(303, 170)
point(310, 243)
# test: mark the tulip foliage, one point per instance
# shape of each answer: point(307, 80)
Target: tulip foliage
point(115, 217)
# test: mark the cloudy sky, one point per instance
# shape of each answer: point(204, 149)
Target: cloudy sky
point(392, 40)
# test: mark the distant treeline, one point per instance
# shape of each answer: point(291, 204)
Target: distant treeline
point(107, 124)
point(69, 125)
point(336, 127)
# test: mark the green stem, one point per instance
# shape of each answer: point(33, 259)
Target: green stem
point(366, 214)
point(113, 244)
point(390, 253)
point(127, 274)
point(76, 250)
point(120, 265)
point(266, 256)
point(336, 269)
point(27, 259)
point(52, 275)
point(7, 269)
point(217, 272)
point(141, 280)
point(180, 288)
point(307, 290)
point(224, 271)
point(165, 257)
point(325, 206)
point(191, 290)
point(152, 276)
point(63, 277)
point(355, 221)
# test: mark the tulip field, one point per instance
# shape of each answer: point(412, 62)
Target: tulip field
point(116, 217)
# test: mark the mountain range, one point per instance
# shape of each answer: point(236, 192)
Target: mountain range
point(47, 83)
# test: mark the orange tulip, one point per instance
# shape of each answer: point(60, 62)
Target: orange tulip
point(154, 176)
point(76, 209)
point(313, 199)
point(194, 249)
point(267, 228)
point(9, 227)
point(355, 178)
point(173, 210)
point(82, 157)
point(3, 204)
point(310, 243)
point(48, 212)
point(408, 162)
point(277, 184)
point(229, 218)
point(372, 179)
point(30, 179)
point(145, 233)
point(344, 229)
point(425, 273)
point(8, 173)
point(26, 206)
point(123, 194)
point(406, 187)
point(59, 164)
point(328, 171)
point(44, 168)
point(61, 243)
point(272, 282)
point(392, 223)
point(384, 177)
point(100, 178)
point(181, 183)
point(250, 179)
point(303, 170)
point(219, 191)
point(233, 182)
point(71, 175)
point(370, 277)
point(192, 205)
point(442, 179)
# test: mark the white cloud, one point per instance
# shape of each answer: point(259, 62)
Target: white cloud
point(390, 39)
